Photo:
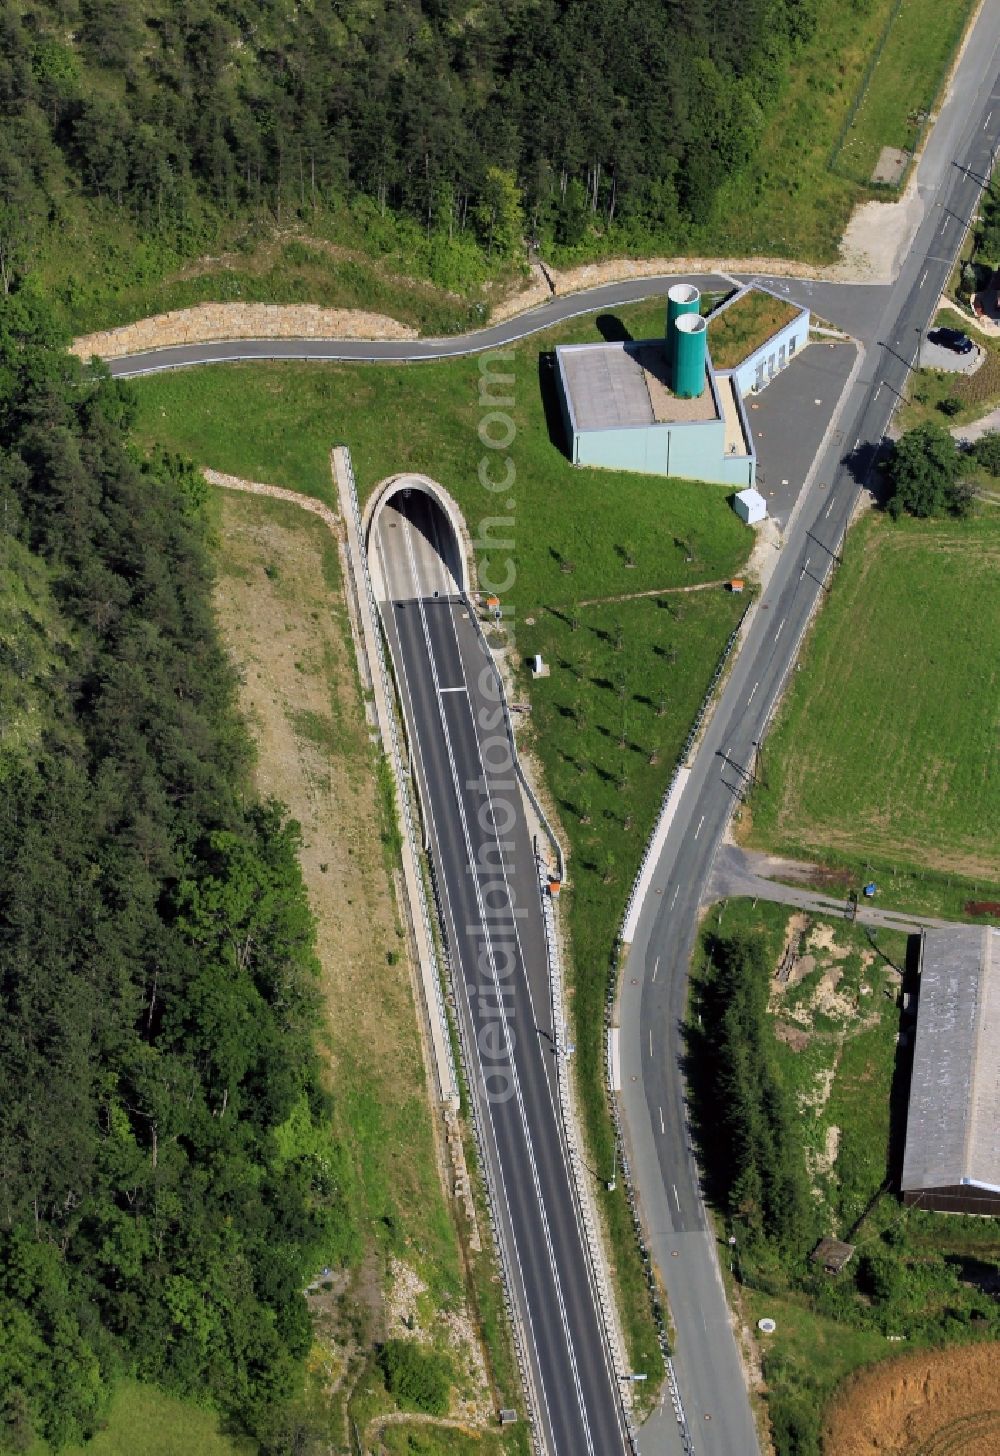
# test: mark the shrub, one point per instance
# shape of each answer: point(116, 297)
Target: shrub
point(986, 452)
point(419, 1378)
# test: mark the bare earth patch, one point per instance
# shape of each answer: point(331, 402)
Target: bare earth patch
point(940, 1403)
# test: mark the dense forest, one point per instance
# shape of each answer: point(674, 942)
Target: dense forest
point(167, 1180)
point(522, 117)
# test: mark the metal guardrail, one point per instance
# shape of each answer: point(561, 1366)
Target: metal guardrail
point(444, 973)
point(401, 778)
point(696, 728)
point(577, 1168)
point(515, 758)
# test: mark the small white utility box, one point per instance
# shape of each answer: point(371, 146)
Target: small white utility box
point(750, 506)
point(538, 667)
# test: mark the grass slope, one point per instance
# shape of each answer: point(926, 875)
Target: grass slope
point(885, 750)
point(143, 1421)
point(607, 726)
point(919, 44)
point(574, 533)
point(789, 201)
point(282, 610)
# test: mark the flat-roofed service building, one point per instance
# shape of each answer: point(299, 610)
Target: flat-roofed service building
point(952, 1156)
point(661, 406)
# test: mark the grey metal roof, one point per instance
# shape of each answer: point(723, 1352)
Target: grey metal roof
point(953, 1123)
point(607, 386)
point(611, 386)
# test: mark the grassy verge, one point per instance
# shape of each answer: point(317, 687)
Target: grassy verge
point(884, 752)
point(747, 323)
point(836, 1026)
point(143, 1421)
point(901, 90)
point(607, 725)
point(788, 201)
point(101, 269)
point(578, 536)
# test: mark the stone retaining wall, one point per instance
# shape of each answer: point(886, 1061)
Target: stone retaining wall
point(208, 322)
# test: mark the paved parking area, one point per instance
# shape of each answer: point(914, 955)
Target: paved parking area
point(936, 356)
point(789, 419)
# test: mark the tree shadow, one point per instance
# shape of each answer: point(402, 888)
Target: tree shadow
point(612, 330)
point(548, 388)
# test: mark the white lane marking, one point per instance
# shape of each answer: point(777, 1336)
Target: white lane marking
point(656, 967)
point(650, 1041)
point(857, 442)
point(662, 1127)
point(752, 691)
point(674, 900)
point(462, 689)
point(924, 278)
point(806, 567)
point(828, 510)
point(484, 921)
point(556, 1114)
point(700, 823)
point(876, 394)
point(676, 1199)
point(778, 633)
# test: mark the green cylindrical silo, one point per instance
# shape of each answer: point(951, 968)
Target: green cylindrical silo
point(683, 298)
point(690, 332)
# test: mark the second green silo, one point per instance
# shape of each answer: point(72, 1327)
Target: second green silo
point(682, 298)
point(690, 338)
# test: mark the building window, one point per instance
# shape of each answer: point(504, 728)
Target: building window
point(791, 346)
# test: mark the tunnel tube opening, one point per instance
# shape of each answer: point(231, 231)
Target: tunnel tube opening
point(414, 538)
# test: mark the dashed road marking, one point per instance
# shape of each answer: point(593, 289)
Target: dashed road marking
point(700, 823)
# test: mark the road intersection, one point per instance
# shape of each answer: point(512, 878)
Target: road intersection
point(582, 1413)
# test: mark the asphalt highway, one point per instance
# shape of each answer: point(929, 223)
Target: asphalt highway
point(488, 890)
point(654, 985)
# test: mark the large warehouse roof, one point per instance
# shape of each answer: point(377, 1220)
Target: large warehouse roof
point(953, 1125)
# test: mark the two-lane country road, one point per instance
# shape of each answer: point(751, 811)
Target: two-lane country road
point(662, 930)
point(488, 889)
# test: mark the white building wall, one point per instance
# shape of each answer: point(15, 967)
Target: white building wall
point(760, 367)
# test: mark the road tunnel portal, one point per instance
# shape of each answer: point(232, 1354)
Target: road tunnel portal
point(416, 541)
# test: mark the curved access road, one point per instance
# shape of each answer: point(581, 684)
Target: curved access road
point(853, 306)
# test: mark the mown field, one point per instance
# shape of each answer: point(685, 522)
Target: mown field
point(577, 536)
point(885, 751)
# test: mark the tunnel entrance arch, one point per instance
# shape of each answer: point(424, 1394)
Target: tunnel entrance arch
point(452, 539)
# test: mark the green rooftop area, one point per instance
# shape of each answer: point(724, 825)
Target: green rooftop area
point(746, 323)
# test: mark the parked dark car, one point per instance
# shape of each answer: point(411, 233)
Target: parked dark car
point(952, 339)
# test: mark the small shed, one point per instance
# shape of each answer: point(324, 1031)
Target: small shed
point(750, 506)
point(833, 1254)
